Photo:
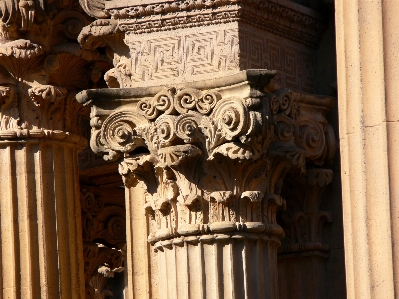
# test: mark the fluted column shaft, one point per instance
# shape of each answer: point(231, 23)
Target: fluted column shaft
point(138, 255)
point(367, 49)
point(41, 247)
point(219, 266)
point(41, 70)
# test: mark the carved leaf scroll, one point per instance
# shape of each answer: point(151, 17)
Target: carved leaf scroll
point(213, 163)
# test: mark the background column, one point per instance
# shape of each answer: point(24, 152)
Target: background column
point(367, 47)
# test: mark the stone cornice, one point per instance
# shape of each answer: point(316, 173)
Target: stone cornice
point(285, 19)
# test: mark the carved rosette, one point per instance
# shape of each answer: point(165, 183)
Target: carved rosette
point(212, 161)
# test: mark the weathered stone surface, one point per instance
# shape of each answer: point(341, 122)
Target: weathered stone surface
point(209, 150)
point(104, 240)
point(368, 109)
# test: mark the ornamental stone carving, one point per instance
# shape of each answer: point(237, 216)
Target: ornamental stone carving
point(42, 68)
point(211, 157)
point(303, 220)
point(151, 42)
point(104, 238)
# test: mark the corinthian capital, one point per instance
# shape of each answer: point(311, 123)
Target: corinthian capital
point(211, 155)
point(42, 68)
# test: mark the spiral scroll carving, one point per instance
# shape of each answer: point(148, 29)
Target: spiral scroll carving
point(215, 162)
point(232, 117)
point(312, 138)
point(173, 101)
point(194, 100)
point(161, 102)
point(283, 102)
point(187, 127)
point(165, 130)
point(118, 134)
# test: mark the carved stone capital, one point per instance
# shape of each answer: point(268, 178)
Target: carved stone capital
point(212, 159)
point(41, 70)
point(104, 238)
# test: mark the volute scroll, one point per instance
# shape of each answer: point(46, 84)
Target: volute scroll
point(214, 160)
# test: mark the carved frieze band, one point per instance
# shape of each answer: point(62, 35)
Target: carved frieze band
point(281, 19)
point(192, 54)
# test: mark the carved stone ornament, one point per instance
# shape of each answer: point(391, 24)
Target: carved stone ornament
point(303, 221)
point(212, 160)
point(152, 43)
point(211, 157)
point(42, 68)
point(104, 237)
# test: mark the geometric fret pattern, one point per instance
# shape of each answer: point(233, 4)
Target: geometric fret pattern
point(197, 53)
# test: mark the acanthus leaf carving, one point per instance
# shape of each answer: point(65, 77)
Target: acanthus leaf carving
point(50, 103)
point(9, 115)
point(213, 160)
point(104, 239)
point(303, 220)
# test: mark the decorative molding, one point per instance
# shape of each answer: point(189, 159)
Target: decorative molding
point(211, 158)
point(42, 68)
point(193, 54)
point(282, 19)
point(159, 43)
point(24, 19)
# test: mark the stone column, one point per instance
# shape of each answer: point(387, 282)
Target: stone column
point(41, 250)
point(211, 157)
point(41, 68)
point(41, 247)
point(367, 49)
point(204, 139)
